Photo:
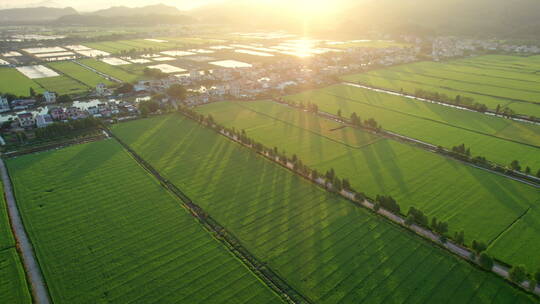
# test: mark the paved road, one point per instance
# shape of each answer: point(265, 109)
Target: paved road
point(39, 290)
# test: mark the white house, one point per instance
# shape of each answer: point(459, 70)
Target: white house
point(43, 120)
point(50, 97)
point(101, 89)
point(26, 120)
point(92, 110)
point(4, 104)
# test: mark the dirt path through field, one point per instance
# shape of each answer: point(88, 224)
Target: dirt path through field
point(39, 289)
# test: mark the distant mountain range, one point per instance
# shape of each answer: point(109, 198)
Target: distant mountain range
point(501, 18)
point(123, 11)
point(41, 14)
point(34, 14)
point(512, 18)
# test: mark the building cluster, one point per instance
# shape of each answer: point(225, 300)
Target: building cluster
point(23, 104)
point(108, 109)
point(276, 77)
point(450, 47)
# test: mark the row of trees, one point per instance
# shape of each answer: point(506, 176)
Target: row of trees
point(154, 73)
point(464, 153)
point(58, 129)
point(333, 182)
point(355, 120)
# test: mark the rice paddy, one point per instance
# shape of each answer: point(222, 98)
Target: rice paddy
point(104, 230)
point(328, 249)
point(482, 204)
point(494, 80)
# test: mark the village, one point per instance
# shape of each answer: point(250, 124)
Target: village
point(285, 75)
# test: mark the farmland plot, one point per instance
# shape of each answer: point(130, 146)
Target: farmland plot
point(491, 80)
point(79, 73)
point(13, 286)
point(482, 204)
point(499, 140)
point(328, 249)
point(14, 82)
point(115, 71)
point(62, 85)
point(104, 230)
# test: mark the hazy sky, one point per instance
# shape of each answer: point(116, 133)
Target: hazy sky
point(87, 5)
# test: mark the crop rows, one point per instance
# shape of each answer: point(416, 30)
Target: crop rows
point(499, 140)
point(480, 203)
point(328, 249)
point(62, 85)
point(13, 286)
point(104, 230)
point(491, 80)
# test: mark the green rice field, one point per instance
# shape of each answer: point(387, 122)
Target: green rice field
point(13, 286)
point(14, 82)
point(105, 231)
point(328, 249)
point(492, 80)
point(499, 140)
point(79, 73)
point(117, 72)
point(62, 85)
point(488, 207)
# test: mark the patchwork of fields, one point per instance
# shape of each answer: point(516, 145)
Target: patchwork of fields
point(481, 203)
point(104, 230)
point(328, 249)
point(79, 73)
point(492, 80)
point(124, 73)
point(499, 140)
point(13, 286)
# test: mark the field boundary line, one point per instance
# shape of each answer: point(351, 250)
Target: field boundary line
point(508, 227)
point(268, 276)
point(313, 132)
point(24, 246)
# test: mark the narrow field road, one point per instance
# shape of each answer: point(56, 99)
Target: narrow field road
point(39, 290)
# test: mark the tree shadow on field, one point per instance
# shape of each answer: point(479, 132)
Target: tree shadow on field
point(90, 157)
point(505, 191)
